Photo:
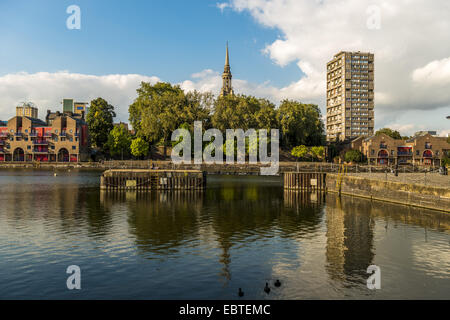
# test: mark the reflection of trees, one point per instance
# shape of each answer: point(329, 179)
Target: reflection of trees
point(349, 238)
point(97, 215)
point(163, 221)
point(236, 210)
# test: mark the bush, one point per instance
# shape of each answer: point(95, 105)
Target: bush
point(353, 156)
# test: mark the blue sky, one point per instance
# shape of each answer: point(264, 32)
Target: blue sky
point(279, 49)
point(170, 39)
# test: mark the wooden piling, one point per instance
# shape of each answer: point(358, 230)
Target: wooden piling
point(145, 180)
point(305, 181)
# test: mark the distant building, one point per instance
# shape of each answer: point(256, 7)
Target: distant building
point(350, 96)
point(420, 150)
point(80, 108)
point(27, 109)
point(227, 88)
point(122, 124)
point(67, 105)
point(422, 133)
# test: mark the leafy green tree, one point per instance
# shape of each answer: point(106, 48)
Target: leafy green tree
point(301, 124)
point(139, 147)
point(100, 121)
point(353, 156)
point(394, 134)
point(235, 112)
point(266, 116)
point(161, 108)
point(300, 152)
point(119, 141)
point(318, 152)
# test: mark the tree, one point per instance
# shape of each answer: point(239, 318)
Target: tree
point(139, 147)
point(235, 112)
point(301, 124)
point(394, 134)
point(300, 151)
point(119, 141)
point(353, 156)
point(318, 152)
point(161, 108)
point(100, 121)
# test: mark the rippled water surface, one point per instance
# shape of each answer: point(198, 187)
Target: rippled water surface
point(241, 232)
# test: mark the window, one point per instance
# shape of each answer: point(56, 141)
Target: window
point(417, 152)
point(29, 147)
point(373, 151)
point(74, 147)
point(53, 147)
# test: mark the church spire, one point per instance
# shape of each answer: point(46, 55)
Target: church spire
point(227, 58)
point(226, 77)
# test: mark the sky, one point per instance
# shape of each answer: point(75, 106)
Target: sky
point(278, 50)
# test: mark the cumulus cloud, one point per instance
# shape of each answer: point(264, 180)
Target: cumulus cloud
point(47, 90)
point(411, 34)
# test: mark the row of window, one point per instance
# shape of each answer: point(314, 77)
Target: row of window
point(8, 146)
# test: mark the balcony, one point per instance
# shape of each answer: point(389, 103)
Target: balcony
point(4, 134)
point(40, 151)
point(405, 153)
point(2, 142)
point(40, 142)
point(18, 133)
point(62, 134)
point(47, 134)
point(33, 134)
point(383, 146)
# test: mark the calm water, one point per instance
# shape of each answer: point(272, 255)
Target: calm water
point(241, 232)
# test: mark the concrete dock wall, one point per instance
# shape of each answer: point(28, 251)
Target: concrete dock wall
point(417, 195)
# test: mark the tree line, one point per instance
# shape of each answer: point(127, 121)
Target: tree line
point(161, 108)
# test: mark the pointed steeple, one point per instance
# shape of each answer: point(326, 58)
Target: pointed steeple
point(226, 76)
point(227, 58)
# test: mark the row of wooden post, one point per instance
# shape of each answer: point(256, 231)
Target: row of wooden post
point(306, 181)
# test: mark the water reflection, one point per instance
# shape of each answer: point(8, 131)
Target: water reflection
point(349, 239)
point(240, 232)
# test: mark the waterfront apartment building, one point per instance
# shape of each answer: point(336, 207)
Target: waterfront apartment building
point(423, 149)
point(350, 96)
point(65, 139)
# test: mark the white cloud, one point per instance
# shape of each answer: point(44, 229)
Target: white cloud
point(436, 72)
point(412, 34)
point(222, 5)
point(47, 90)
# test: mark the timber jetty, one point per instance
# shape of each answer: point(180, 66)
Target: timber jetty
point(145, 179)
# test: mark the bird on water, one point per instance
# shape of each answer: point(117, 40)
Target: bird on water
point(277, 283)
point(266, 288)
point(241, 293)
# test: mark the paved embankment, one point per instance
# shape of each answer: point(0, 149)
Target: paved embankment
point(416, 189)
